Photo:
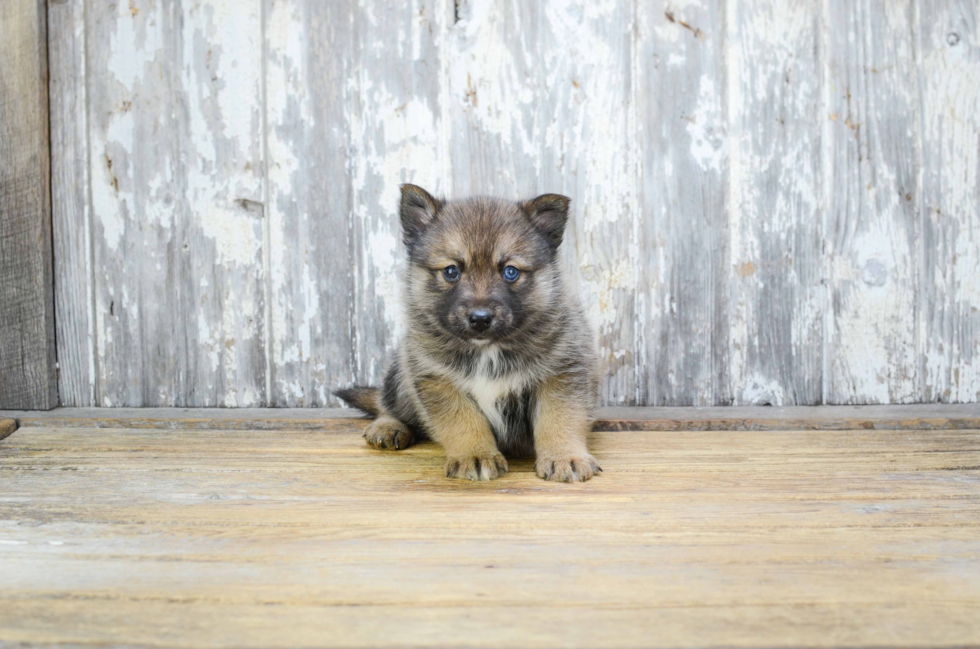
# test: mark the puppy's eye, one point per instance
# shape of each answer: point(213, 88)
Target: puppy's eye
point(511, 274)
point(451, 273)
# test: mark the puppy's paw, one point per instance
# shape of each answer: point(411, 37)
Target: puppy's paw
point(389, 433)
point(488, 466)
point(569, 469)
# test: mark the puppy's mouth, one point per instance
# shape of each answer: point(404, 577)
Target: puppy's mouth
point(479, 338)
point(465, 330)
point(476, 337)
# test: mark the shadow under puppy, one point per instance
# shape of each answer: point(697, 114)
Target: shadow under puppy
point(498, 359)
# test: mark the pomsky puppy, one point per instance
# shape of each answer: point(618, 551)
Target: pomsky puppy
point(498, 359)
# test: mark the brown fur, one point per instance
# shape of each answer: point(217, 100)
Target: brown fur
point(457, 423)
point(362, 398)
point(525, 384)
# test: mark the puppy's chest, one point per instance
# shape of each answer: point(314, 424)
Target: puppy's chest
point(503, 399)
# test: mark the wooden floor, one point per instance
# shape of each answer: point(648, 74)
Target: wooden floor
point(172, 536)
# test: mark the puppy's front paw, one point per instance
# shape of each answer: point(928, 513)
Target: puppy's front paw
point(388, 433)
point(477, 467)
point(569, 469)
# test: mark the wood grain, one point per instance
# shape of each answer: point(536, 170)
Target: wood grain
point(873, 158)
point(395, 91)
point(311, 281)
point(918, 417)
point(543, 103)
point(774, 202)
point(71, 208)
point(28, 377)
point(135, 191)
point(176, 167)
point(949, 300)
point(682, 342)
point(205, 538)
point(774, 96)
point(220, 288)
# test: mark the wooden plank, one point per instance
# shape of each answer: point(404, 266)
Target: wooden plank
point(518, 626)
point(28, 376)
point(683, 317)
point(70, 208)
point(307, 64)
point(204, 538)
point(395, 107)
point(725, 237)
point(872, 161)
point(175, 147)
point(222, 287)
point(134, 198)
point(490, 65)
point(949, 298)
point(775, 118)
point(918, 417)
point(526, 121)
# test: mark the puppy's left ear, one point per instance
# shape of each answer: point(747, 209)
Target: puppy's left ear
point(549, 213)
point(418, 210)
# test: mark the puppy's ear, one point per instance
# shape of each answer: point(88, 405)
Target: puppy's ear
point(418, 210)
point(548, 213)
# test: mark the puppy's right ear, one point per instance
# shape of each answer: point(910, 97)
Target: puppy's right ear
point(548, 213)
point(418, 210)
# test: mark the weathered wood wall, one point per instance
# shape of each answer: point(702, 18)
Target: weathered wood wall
point(27, 335)
point(776, 201)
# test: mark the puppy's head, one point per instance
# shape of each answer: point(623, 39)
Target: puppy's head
point(482, 268)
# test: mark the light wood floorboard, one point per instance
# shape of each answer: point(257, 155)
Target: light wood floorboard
point(252, 538)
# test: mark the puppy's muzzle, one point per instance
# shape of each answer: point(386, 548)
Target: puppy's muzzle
point(480, 320)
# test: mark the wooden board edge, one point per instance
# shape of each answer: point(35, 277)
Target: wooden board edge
point(624, 420)
point(27, 319)
point(749, 424)
point(194, 423)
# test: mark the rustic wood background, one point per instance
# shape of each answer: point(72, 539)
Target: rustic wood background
point(28, 377)
point(775, 201)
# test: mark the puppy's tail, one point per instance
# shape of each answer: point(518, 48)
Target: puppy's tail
point(362, 398)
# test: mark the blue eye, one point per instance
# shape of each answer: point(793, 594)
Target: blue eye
point(451, 273)
point(511, 274)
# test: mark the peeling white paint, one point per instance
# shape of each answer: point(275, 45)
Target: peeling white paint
point(761, 391)
point(398, 140)
point(950, 60)
point(286, 96)
point(186, 128)
point(774, 198)
point(706, 127)
point(135, 43)
point(110, 203)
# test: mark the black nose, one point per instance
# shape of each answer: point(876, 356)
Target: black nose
point(480, 320)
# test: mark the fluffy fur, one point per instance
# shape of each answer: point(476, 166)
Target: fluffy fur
point(525, 385)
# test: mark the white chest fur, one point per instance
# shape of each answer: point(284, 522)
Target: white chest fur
point(488, 391)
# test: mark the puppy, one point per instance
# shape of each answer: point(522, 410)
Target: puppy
point(498, 359)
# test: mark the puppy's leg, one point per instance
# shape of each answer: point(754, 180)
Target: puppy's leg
point(386, 432)
point(455, 422)
point(561, 425)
